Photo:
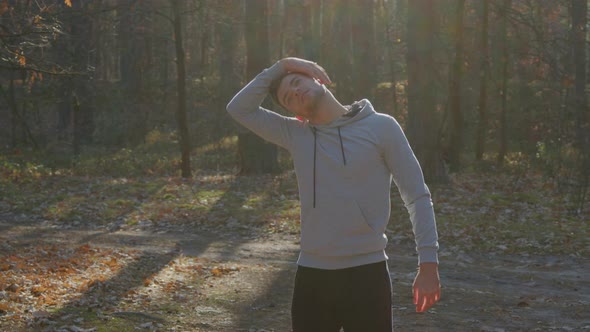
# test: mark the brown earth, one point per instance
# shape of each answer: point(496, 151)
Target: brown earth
point(232, 279)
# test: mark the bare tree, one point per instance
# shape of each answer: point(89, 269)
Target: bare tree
point(504, 88)
point(483, 85)
point(421, 128)
point(456, 147)
point(181, 87)
point(579, 12)
point(256, 155)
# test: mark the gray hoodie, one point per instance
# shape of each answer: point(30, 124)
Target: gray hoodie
point(344, 171)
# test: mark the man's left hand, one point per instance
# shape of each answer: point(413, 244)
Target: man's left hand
point(426, 287)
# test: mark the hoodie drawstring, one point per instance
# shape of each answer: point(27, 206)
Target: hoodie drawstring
point(341, 147)
point(315, 153)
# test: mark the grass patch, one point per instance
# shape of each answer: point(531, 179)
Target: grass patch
point(501, 212)
point(506, 210)
point(87, 319)
point(492, 215)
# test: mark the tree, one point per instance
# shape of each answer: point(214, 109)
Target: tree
point(228, 36)
point(483, 85)
point(312, 11)
point(256, 155)
point(579, 20)
point(362, 18)
point(135, 57)
point(342, 55)
point(504, 88)
point(579, 12)
point(421, 128)
point(181, 87)
point(77, 101)
point(393, 14)
point(456, 146)
point(26, 30)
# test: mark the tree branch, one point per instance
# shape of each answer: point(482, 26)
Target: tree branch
point(63, 72)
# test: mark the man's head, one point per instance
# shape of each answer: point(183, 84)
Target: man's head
point(298, 93)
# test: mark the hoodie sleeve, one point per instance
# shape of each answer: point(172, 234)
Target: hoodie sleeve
point(409, 180)
point(245, 108)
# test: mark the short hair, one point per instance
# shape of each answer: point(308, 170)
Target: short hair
point(273, 89)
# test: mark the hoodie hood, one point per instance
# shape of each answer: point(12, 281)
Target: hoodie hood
point(357, 111)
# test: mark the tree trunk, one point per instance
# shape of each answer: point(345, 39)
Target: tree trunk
point(390, 41)
point(81, 33)
point(13, 110)
point(17, 118)
point(181, 87)
point(76, 125)
point(229, 82)
point(421, 128)
point(362, 18)
point(204, 42)
point(328, 36)
point(483, 86)
point(579, 22)
point(456, 147)
point(311, 30)
point(256, 155)
point(276, 25)
point(503, 126)
point(343, 53)
point(133, 55)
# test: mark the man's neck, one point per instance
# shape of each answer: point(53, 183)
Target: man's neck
point(328, 110)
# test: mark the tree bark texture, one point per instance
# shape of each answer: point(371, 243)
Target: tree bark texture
point(256, 155)
point(504, 89)
point(456, 147)
point(181, 87)
point(483, 85)
point(422, 127)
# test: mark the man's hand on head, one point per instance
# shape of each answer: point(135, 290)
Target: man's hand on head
point(426, 287)
point(309, 68)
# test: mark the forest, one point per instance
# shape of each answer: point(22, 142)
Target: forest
point(130, 199)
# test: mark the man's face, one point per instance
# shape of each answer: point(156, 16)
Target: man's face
point(300, 94)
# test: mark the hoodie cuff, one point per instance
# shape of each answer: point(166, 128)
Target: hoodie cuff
point(274, 71)
point(427, 255)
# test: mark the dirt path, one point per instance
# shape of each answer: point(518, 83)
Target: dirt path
point(248, 280)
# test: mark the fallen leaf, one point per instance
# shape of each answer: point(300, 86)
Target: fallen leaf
point(22, 60)
point(4, 308)
point(216, 272)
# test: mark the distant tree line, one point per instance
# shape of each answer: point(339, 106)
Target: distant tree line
point(470, 80)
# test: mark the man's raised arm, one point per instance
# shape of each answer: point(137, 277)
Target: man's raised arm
point(245, 107)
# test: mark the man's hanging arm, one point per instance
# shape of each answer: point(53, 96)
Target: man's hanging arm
point(409, 180)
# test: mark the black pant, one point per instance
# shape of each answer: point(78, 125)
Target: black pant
point(357, 299)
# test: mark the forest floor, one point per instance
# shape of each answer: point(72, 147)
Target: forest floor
point(217, 253)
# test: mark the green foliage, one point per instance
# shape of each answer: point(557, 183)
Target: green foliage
point(19, 169)
point(507, 209)
point(158, 156)
point(218, 155)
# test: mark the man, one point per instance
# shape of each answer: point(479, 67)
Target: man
point(345, 158)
